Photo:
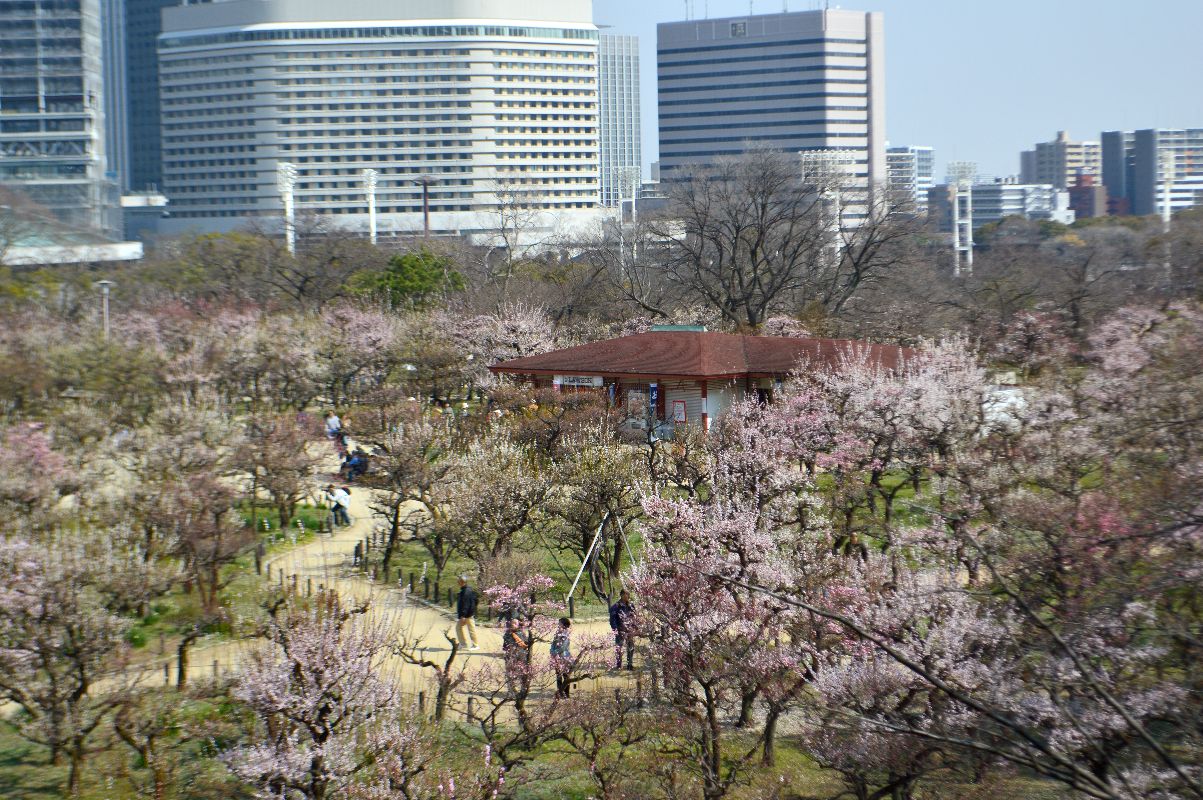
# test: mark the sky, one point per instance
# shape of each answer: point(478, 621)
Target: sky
point(981, 80)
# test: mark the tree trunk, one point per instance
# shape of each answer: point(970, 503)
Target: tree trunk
point(747, 697)
point(712, 760)
point(769, 758)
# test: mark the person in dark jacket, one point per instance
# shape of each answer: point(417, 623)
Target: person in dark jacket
point(465, 613)
point(561, 655)
point(622, 622)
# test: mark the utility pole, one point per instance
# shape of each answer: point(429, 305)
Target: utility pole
point(369, 189)
point(286, 181)
point(1166, 157)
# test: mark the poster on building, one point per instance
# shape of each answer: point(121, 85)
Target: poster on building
point(679, 411)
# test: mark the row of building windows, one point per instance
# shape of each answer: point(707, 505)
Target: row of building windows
point(722, 74)
point(308, 55)
point(789, 123)
point(379, 119)
point(766, 85)
point(341, 133)
point(374, 79)
point(782, 109)
point(776, 58)
point(385, 146)
point(760, 98)
point(178, 62)
point(376, 67)
point(174, 72)
point(428, 92)
point(762, 44)
point(171, 40)
point(788, 136)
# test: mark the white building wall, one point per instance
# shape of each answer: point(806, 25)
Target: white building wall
point(720, 396)
point(496, 100)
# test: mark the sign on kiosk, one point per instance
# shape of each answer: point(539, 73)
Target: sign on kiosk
point(592, 381)
point(679, 411)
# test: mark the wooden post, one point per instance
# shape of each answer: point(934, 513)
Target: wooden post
point(421, 702)
point(411, 583)
point(572, 607)
point(215, 669)
point(166, 674)
point(281, 576)
point(450, 599)
point(294, 584)
point(309, 587)
point(426, 588)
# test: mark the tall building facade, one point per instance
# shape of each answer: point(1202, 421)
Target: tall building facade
point(911, 172)
point(493, 104)
point(1061, 162)
point(143, 24)
point(810, 80)
point(1117, 170)
point(618, 92)
point(52, 129)
point(1146, 163)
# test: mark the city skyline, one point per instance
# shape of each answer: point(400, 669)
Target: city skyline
point(1084, 68)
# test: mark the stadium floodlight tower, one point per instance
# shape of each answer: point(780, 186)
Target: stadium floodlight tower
point(961, 175)
point(369, 189)
point(286, 181)
point(827, 171)
point(626, 182)
point(1168, 174)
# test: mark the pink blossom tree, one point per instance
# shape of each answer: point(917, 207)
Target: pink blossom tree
point(61, 641)
point(327, 723)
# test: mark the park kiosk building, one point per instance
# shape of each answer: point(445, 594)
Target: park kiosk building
point(686, 375)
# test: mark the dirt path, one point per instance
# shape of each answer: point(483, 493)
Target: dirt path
point(327, 561)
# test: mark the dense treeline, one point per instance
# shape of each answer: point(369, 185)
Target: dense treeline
point(882, 584)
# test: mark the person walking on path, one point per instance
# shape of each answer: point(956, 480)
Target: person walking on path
point(340, 501)
point(334, 425)
point(465, 613)
point(514, 648)
point(561, 656)
point(622, 622)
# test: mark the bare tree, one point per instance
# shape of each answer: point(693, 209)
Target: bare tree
point(744, 234)
point(517, 215)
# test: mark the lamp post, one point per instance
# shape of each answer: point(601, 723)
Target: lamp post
point(426, 182)
point(286, 181)
point(105, 286)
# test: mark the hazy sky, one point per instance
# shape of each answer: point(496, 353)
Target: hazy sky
point(980, 80)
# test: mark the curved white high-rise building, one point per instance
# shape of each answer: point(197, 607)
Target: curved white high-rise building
point(492, 103)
